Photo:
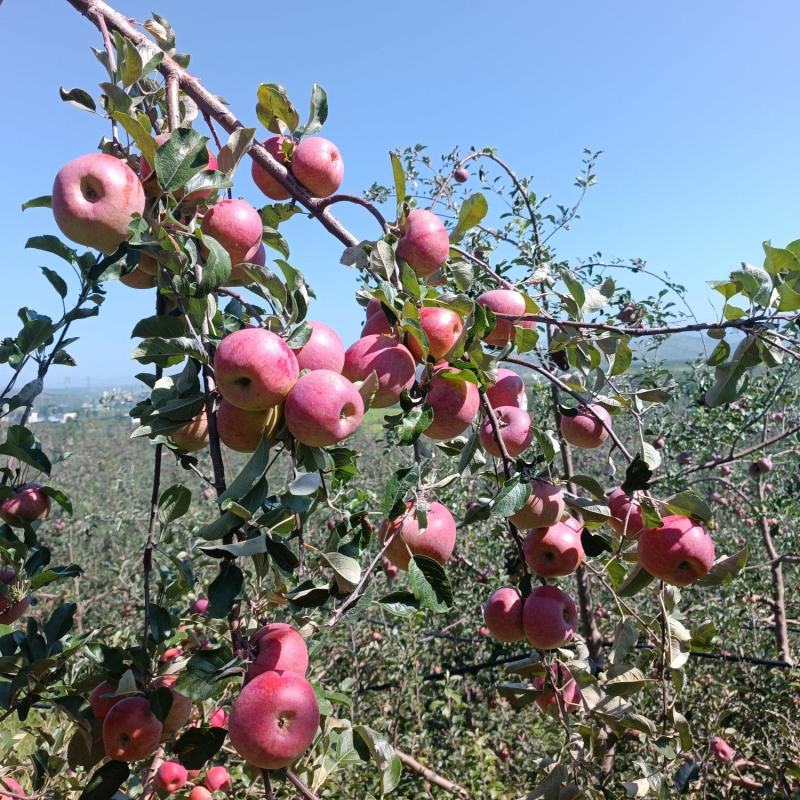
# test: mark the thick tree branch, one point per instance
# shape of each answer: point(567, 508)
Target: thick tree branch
point(430, 775)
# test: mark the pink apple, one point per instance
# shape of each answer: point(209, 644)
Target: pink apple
point(720, 749)
point(274, 720)
point(255, 369)
point(200, 793)
point(436, 541)
point(11, 611)
point(323, 350)
point(678, 553)
point(238, 276)
point(553, 552)
point(218, 779)
point(28, 504)
point(393, 364)
point(543, 508)
point(200, 606)
point(502, 613)
point(502, 301)
point(241, 430)
point(378, 324)
point(12, 786)
point(628, 518)
point(659, 443)
point(137, 278)
point(271, 187)
point(102, 699)
point(171, 776)
point(192, 436)
point(461, 175)
point(181, 709)
point(549, 617)
point(218, 718)
point(170, 654)
point(507, 390)
point(424, 243)
point(373, 307)
point(588, 428)
point(455, 405)
point(237, 226)
point(131, 731)
point(567, 694)
point(323, 408)
point(281, 648)
point(442, 326)
point(514, 427)
point(95, 198)
point(318, 165)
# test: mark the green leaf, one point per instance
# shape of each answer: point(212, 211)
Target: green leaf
point(636, 580)
point(198, 746)
point(60, 622)
point(106, 781)
point(141, 136)
point(201, 679)
point(163, 325)
point(306, 484)
point(777, 260)
point(251, 474)
point(173, 503)
point(346, 569)
point(35, 333)
point(726, 569)
point(729, 382)
point(224, 590)
point(78, 98)
point(318, 111)
point(511, 498)
point(181, 157)
point(428, 581)
point(382, 754)
point(399, 176)
point(471, 213)
point(401, 604)
point(637, 476)
point(689, 504)
point(56, 281)
point(234, 150)
point(54, 245)
point(217, 266)
point(274, 109)
point(414, 424)
point(626, 683)
point(591, 486)
point(161, 627)
point(45, 201)
point(245, 549)
point(396, 489)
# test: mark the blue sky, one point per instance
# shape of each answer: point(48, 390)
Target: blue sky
point(694, 105)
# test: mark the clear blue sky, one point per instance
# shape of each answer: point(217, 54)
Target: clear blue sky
point(695, 105)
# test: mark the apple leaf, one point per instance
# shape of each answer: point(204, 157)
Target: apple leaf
point(428, 581)
point(275, 110)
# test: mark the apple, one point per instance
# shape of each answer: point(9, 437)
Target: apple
point(218, 779)
point(218, 718)
point(237, 226)
point(200, 606)
point(507, 390)
point(543, 508)
point(726, 469)
point(373, 307)
point(393, 364)
point(588, 428)
point(684, 457)
point(181, 709)
point(514, 427)
point(659, 443)
point(28, 504)
point(278, 647)
point(549, 618)
point(628, 518)
point(11, 611)
point(442, 326)
point(200, 793)
point(274, 720)
point(760, 467)
point(171, 776)
point(678, 553)
point(102, 699)
point(461, 175)
point(377, 324)
point(424, 243)
point(137, 278)
point(192, 436)
point(553, 552)
point(94, 200)
point(323, 408)
point(242, 430)
point(270, 186)
point(323, 350)
point(720, 749)
point(567, 694)
point(254, 369)
point(502, 614)
point(436, 541)
point(502, 301)
point(170, 654)
point(11, 786)
point(238, 276)
point(318, 165)
point(131, 731)
point(455, 405)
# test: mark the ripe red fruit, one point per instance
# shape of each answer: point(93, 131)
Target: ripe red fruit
point(131, 731)
point(137, 278)
point(502, 614)
point(179, 711)
point(101, 699)
point(170, 654)
point(567, 693)
point(255, 369)
point(200, 793)
point(678, 553)
point(549, 618)
point(377, 324)
point(218, 718)
point(628, 518)
point(393, 364)
point(12, 786)
point(28, 504)
point(241, 430)
point(514, 427)
point(442, 326)
point(760, 467)
point(237, 226)
point(502, 301)
point(11, 611)
point(436, 541)
point(271, 187)
point(424, 243)
point(684, 457)
point(720, 749)
point(317, 164)
point(587, 429)
point(461, 175)
point(659, 443)
point(279, 647)
point(192, 436)
point(274, 720)
point(323, 350)
point(218, 779)
point(171, 776)
point(543, 508)
point(455, 405)
point(507, 390)
point(200, 606)
point(553, 552)
point(323, 408)
point(94, 199)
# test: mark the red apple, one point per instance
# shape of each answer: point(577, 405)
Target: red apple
point(567, 693)
point(393, 364)
point(281, 648)
point(94, 200)
point(507, 390)
point(455, 405)
point(274, 720)
point(436, 541)
point(318, 165)
point(628, 518)
point(171, 776)
point(12, 786)
point(11, 611)
point(378, 324)
point(170, 654)
point(678, 553)
point(720, 749)
point(502, 613)
point(200, 793)
point(502, 301)
point(254, 369)
point(684, 457)
point(28, 504)
point(131, 731)
point(218, 779)
point(323, 350)
point(461, 175)
point(373, 307)
point(238, 276)
point(588, 428)
point(514, 427)
point(424, 243)
point(323, 408)
point(241, 430)
point(181, 709)
point(192, 436)
point(218, 718)
point(543, 508)
point(102, 699)
point(200, 606)
point(553, 552)
point(549, 617)
point(271, 187)
point(137, 278)
point(237, 226)
point(659, 443)
point(442, 327)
